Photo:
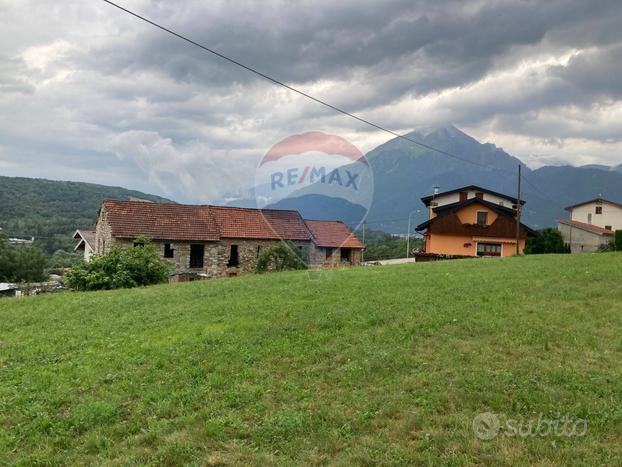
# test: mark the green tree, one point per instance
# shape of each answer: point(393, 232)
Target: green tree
point(618, 240)
point(21, 263)
point(547, 240)
point(381, 245)
point(280, 257)
point(30, 263)
point(7, 263)
point(120, 268)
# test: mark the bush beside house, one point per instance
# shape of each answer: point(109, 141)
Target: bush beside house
point(548, 240)
point(280, 257)
point(120, 268)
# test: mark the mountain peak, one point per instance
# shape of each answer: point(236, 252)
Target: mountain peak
point(437, 130)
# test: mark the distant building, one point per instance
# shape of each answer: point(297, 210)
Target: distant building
point(21, 241)
point(215, 241)
point(472, 221)
point(9, 290)
point(86, 243)
point(591, 225)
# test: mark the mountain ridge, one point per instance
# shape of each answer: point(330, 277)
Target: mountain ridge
point(51, 210)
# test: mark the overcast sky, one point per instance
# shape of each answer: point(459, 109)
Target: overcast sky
point(89, 93)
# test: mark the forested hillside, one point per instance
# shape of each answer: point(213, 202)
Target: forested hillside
point(51, 210)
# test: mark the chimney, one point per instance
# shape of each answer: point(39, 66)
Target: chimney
point(435, 191)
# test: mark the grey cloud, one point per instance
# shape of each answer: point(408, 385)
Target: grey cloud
point(195, 125)
point(595, 72)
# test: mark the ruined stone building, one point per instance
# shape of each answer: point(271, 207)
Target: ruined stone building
point(217, 241)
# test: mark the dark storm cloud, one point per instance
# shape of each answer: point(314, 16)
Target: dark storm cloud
point(87, 77)
point(333, 39)
point(595, 72)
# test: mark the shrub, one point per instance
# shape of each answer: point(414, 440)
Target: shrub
point(618, 240)
point(120, 268)
point(547, 240)
point(280, 257)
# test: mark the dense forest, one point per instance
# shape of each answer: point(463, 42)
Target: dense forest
point(50, 211)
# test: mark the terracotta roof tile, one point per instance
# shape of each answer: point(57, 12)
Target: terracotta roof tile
point(333, 234)
point(129, 219)
point(589, 227)
point(255, 223)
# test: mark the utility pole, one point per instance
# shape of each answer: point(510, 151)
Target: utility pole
point(408, 235)
point(408, 238)
point(363, 250)
point(518, 211)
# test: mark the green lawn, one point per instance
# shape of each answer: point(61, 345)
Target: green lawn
point(366, 366)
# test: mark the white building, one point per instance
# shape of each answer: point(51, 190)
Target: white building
point(591, 225)
point(86, 242)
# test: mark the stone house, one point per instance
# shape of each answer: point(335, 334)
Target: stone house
point(216, 241)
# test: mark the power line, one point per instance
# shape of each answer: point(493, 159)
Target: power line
point(315, 99)
point(293, 89)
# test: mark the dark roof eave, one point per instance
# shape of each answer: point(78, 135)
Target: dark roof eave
point(428, 199)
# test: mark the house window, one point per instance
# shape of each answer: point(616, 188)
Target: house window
point(329, 252)
point(345, 254)
point(463, 195)
point(599, 209)
point(488, 249)
point(197, 251)
point(479, 195)
point(482, 218)
point(234, 259)
point(501, 203)
point(169, 251)
point(608, 227)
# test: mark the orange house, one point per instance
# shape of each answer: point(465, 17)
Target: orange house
point(472, 221)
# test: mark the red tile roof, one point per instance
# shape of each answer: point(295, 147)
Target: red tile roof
point(589, 227)
point(333, 234)
point(129, 219)
point(255, 223)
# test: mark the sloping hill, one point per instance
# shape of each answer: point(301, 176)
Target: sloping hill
point(51, 210)
point(366, 366)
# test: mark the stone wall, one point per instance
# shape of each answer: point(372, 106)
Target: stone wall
point(216, 254)
point(331, 257)
point(103, 233)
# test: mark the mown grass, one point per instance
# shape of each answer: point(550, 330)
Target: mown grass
point(367, 366)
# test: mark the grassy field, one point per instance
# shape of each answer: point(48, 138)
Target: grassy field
point(368, 366)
